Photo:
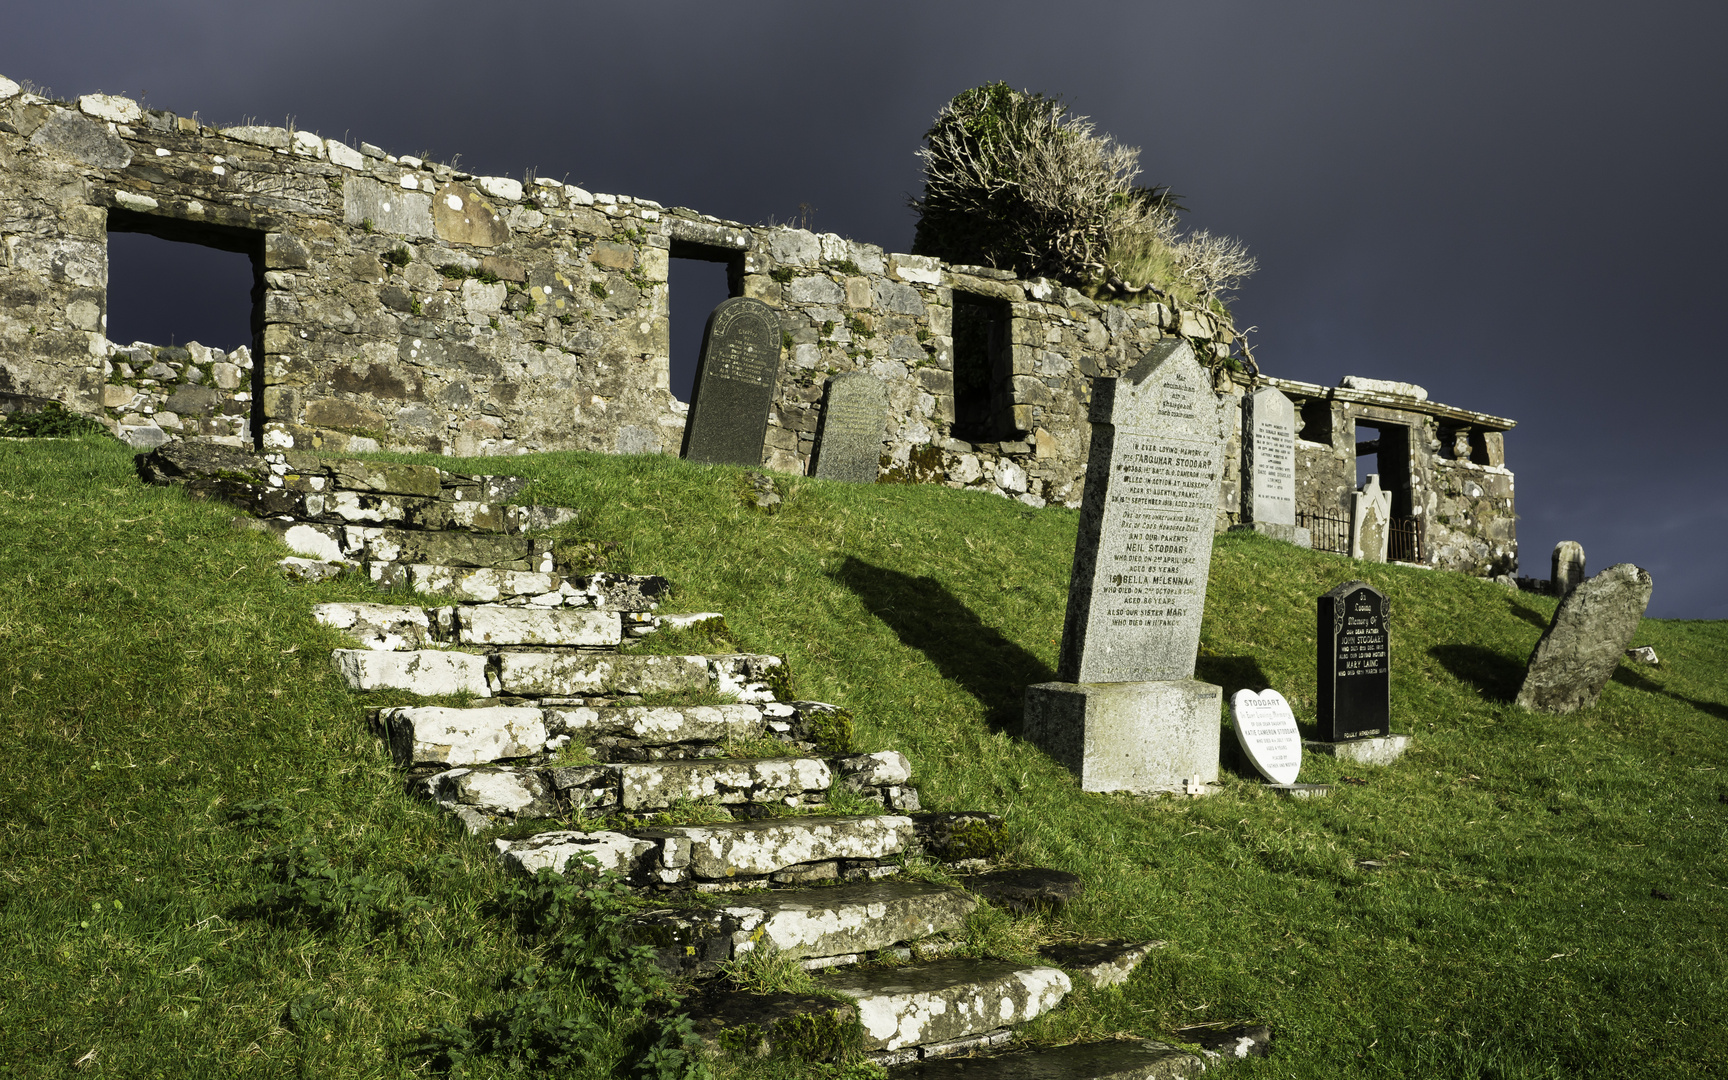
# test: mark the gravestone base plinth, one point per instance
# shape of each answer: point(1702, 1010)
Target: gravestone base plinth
point(1140, 737)
point(1290, 534)
point(1362, 751)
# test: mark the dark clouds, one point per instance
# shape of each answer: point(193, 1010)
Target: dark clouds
point(1516, 205)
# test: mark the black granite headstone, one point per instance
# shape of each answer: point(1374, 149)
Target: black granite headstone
point(849, 442)
point(734, 389)
point(1354, 665)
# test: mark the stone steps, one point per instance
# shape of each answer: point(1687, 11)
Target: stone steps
point(840, 924)
point(1118, 1059)
point(490, 796)
point(567, 678)
point(943, 1004)
point(396, 627)
point(730, 856)
point(436, 736)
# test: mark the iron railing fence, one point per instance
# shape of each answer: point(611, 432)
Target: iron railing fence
point(1327, 532)
point(1404, 540)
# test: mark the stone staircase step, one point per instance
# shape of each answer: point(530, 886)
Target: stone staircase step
point(938, 1002)
point(1100, 963)
point(378, 547)
point(838, 924)
point(532, 674)
point(1119, 1059)
point(379, 627)
point(487, 796)
point(491, 624)
point(747, 1025)
point(429, 672)
point(429, 736)
point(470, 585)
point(731, 855)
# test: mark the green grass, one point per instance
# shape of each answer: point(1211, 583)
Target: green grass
point(168, 718)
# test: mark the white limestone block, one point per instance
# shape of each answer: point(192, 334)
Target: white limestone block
point(426, 671)
point(112, 107)
point(435, 735)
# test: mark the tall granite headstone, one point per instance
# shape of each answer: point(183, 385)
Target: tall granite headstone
point(1353, 668)
point(1370, 521)
point(849, 441)
point(1127, 714)
point(1577, 654)
point(735, 377)
point(1567, 572)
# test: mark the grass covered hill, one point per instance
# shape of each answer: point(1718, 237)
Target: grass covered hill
point(1521, 896)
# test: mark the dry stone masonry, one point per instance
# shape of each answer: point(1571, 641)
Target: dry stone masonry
point(409, 305)
point(557, 736)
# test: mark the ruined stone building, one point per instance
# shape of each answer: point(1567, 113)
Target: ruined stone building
point(405, 304)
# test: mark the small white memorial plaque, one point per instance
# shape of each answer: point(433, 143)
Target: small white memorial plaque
point(1267, 731)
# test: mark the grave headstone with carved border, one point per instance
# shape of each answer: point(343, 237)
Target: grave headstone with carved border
point(735, 379)
point(1353, 668)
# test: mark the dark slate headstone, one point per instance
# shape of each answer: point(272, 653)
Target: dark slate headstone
point(849, 444)
point(1354, 666)
point(735, 379)
point(1579, 651)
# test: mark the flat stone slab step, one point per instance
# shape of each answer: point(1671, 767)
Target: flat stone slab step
point(755, 1025)
point(731, 856)
point(1115, 1060)
point(398, 627)
point(1100, 963)
point(378, 547)
point(1027, 890)
point(428, 672)
point(842, 923)
point(490, 796)
point(484, 585)
point(943, 1000)
point(436, 737)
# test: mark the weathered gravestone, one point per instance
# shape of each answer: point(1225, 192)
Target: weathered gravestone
point(735, 379)
point(1269, 466)
point(1266, 730)
point(1370, 518)
point(1583, 645)
point(1353, 668)
point(1128, 714)
point(1568, 569)
point(849, 443)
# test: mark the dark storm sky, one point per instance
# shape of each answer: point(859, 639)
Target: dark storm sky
point(1519, 206)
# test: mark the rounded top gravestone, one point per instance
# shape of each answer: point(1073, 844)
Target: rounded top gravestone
point(1266, 728)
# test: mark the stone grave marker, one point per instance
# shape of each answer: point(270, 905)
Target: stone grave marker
point(849, 443)
point(1269, 465)
point(1266, 731)
point(1127, 714)
point(735, 379)
point(1370, 520)
point(1577, 654)
point(1568, 569)
point(1354, 666)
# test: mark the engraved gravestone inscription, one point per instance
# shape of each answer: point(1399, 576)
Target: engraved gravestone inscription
point(849, 444)
point(1138, 585)
point(1268, 458)
point(1266, 730)
point(1353, 665)
point(735, 377)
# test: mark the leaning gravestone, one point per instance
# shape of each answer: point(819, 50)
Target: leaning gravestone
point(1582, 646)
point(1568, 567)
point(1353, 668)
point(849, 444)
point(1266, 730)
point(1371, 515)
point(1269, 465)
point(734, 389)
point(1127, 714)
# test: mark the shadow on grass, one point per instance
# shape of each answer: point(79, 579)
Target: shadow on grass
point(1233, 673)
point(1498, 677)
point(1625, 676)
point(1528, 614)
point(927, 617)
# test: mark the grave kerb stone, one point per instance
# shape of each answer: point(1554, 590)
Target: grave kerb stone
point(734, 388)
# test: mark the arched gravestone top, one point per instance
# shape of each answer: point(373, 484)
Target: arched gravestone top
point(1353, 668)
point(735, 379)
point(1144, 547)
point(849, 445)
point(1266, 730)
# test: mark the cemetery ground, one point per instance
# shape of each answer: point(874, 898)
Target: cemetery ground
point(208, 866)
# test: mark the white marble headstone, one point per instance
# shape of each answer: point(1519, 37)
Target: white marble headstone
point(1266, 728)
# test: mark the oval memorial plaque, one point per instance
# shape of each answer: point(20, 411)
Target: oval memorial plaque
point(1266, 728)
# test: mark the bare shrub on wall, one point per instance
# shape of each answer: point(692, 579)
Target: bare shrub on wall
point(1013, 180)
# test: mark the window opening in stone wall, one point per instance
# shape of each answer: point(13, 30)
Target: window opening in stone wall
point(983, 401)
point(698, 279)
point(172, 283)
point(1384, 448)
point(1316, 416)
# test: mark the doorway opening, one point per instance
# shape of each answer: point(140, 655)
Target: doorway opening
point(698, 278)
point(1387, 452)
